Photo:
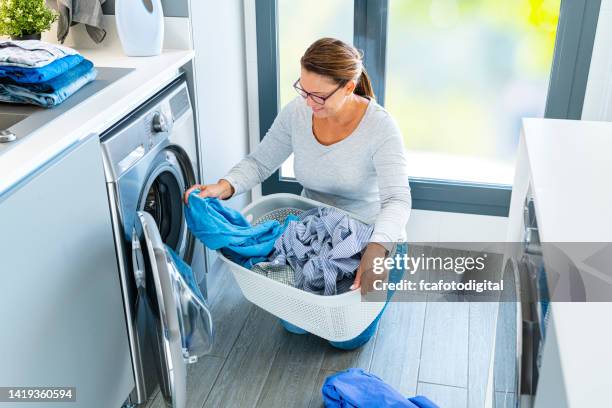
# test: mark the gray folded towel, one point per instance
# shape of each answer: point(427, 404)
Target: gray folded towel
point(88, 12)
point(31, 53)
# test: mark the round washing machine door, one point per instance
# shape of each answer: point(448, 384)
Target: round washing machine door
point(174, 319)
point(152, 270)
point(179, 318)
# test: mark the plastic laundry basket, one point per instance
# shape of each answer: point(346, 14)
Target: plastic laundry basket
point(336, 318)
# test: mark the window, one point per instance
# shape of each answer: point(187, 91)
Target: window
point(299, 25)
point(457, 75)
point(461, 75)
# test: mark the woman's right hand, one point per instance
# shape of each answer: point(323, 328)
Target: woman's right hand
point(222, 189)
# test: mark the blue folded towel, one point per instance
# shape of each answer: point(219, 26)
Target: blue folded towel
point(219, 227)
point(49, 93)
point(58, 82)
point(40, 74)
point(355, 388)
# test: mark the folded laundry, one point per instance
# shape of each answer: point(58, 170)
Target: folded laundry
point(323, 246)
point(31, 53)
point(40, 74)
point(49, 93)
point(58, 82)
point(219, 227)
point(355, 388)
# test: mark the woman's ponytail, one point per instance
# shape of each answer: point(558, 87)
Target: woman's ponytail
point(364, 85)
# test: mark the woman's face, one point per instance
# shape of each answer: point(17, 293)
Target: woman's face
point(324, 86)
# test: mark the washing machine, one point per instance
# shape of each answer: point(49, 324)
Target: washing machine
point(150, 159)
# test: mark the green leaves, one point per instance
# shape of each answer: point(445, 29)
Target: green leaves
point(25, 17)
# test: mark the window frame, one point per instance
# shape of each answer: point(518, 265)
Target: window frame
point(567, 86)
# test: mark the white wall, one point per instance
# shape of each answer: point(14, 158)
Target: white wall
point(598, 97)
point(438, 226)
point(218, 40)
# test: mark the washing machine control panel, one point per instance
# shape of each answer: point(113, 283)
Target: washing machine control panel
point(143, 132)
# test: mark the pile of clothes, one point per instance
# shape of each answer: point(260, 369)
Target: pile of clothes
point(317, 250)
point(38, 73)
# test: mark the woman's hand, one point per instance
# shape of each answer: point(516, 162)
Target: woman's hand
point(365, 276)
point(222, 189)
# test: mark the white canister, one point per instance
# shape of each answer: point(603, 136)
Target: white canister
point(140, 25)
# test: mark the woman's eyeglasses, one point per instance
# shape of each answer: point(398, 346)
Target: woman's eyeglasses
point(319, 100)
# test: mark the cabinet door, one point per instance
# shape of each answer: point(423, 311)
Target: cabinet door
point(61, 309)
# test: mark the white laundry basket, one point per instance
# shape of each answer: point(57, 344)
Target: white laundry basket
point(336, 318)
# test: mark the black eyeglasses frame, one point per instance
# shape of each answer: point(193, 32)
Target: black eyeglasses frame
point(319, 100)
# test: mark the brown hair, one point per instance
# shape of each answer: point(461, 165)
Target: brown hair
point(339, 61)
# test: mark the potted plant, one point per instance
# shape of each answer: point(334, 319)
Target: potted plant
point(25, 19)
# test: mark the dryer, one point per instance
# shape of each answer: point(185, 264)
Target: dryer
point(150, 159)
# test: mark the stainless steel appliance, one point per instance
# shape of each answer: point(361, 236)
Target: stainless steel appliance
point(522, 320)
point(150, 158)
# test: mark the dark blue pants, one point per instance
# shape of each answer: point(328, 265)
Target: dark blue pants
point(395, 275)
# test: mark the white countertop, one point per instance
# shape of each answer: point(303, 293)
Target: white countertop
point(96, 113)
point(570, 164)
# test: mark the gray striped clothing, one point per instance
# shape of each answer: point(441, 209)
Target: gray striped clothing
point(323, 247)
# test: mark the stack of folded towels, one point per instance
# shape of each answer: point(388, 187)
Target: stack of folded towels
point(38, 73)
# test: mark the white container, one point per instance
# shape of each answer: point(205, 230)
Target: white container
point(336, 318)
point(140, 25)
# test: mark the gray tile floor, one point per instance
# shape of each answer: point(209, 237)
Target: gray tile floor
point(437, 349)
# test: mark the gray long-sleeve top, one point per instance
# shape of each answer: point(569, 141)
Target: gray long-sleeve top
point(365, 173)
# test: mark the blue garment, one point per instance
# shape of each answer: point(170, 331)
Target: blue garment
point(196, 324)
point(219, 227)
point(185, 270)
point(58, 82)
point(323, 246)
point(40, 74)
point(395, 275)
point(355, 388)
point(21, 93)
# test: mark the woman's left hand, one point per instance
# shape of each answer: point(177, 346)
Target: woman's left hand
point(365, 276)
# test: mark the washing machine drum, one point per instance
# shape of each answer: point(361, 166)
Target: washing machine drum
point(162, 195)
point(161, 202)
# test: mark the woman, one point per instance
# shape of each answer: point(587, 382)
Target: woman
point(348, 153)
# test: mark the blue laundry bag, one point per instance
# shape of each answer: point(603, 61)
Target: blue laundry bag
point(355, 388)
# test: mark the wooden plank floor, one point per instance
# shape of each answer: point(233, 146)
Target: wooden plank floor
point(437, 349)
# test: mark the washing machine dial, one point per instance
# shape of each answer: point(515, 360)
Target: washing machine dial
point(160, 122)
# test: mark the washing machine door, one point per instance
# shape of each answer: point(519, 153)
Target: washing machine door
point(175, 310)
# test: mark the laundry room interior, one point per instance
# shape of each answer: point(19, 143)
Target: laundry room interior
point(289, 203)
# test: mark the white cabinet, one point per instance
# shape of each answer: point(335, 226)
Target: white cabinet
point(564, 166)
point(61, 310)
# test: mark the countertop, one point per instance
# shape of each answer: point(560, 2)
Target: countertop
point(570, 168)
point(95, 114)
point(571, 163)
